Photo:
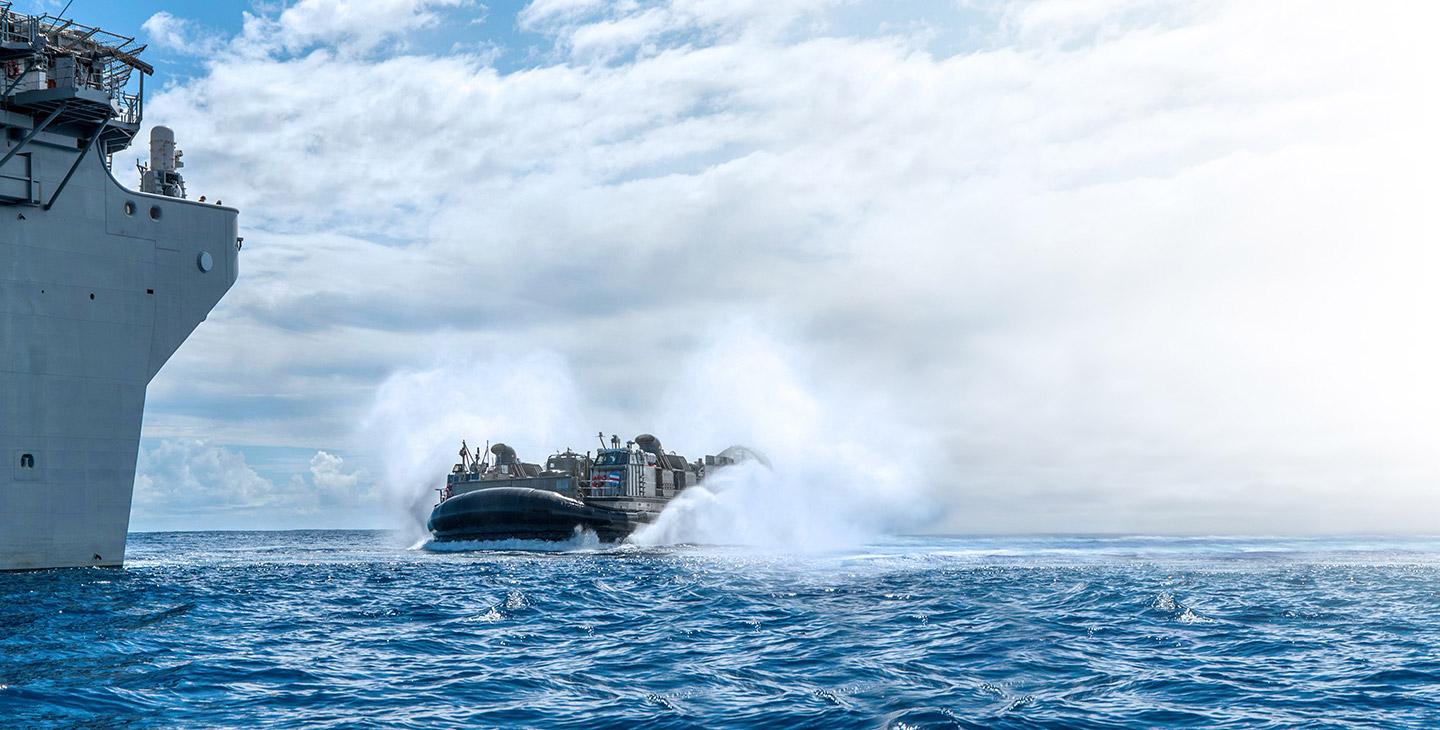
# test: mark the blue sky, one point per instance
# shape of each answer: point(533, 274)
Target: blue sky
point(950, 26)
point(1077, 266)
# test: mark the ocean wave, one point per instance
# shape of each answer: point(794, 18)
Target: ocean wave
point(344, 629)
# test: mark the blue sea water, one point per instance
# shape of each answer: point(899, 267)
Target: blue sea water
point(354, 629)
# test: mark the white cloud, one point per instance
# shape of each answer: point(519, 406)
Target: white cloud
point(604, 31)
point(343, 26)
point(332, 484)
point(192, 484)
point(541, 13)
point(1133, 268)
point(179, 475)
point(183, 36)
point(1073, 23)
point(327, 471)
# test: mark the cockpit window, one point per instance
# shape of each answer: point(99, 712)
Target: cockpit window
point(612, 458)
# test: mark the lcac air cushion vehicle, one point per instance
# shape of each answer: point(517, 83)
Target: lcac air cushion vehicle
point(499, 497)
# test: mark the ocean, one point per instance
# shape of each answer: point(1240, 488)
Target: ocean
point(347, 629)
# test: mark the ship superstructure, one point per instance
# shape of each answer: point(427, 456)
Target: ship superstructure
point(99, 285)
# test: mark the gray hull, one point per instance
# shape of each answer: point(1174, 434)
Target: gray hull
point(96, 294)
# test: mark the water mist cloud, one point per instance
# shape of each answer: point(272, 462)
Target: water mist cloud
point(419, 416)
point(842, 471)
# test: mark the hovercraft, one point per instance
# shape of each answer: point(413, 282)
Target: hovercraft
point(493, 495)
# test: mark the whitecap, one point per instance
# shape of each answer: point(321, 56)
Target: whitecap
point(582, 540)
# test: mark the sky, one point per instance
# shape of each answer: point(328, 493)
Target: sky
point(1079, 266)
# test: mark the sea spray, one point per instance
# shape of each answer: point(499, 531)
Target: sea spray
point(581, 541)
point(842, 469)
point(419, 417)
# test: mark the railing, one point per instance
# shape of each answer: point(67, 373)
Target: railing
point(17, 28)
point(71, 55)
point(128, 108)
point(110, 76)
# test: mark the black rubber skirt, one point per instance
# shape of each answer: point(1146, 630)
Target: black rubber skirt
point(522, 513)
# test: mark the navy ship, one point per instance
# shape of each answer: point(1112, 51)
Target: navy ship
point(99, 285)
point(494, 495)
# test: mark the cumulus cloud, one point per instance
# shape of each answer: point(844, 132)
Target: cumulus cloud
point(542, 13)
point(342, 27)
point(329, 482)
point(192, 484)
point(589, 31)
point(1132, 267)
point(164, 30)
point(178, 475)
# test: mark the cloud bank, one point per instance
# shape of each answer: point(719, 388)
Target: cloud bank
point(1128, 268)
point(185, 484)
